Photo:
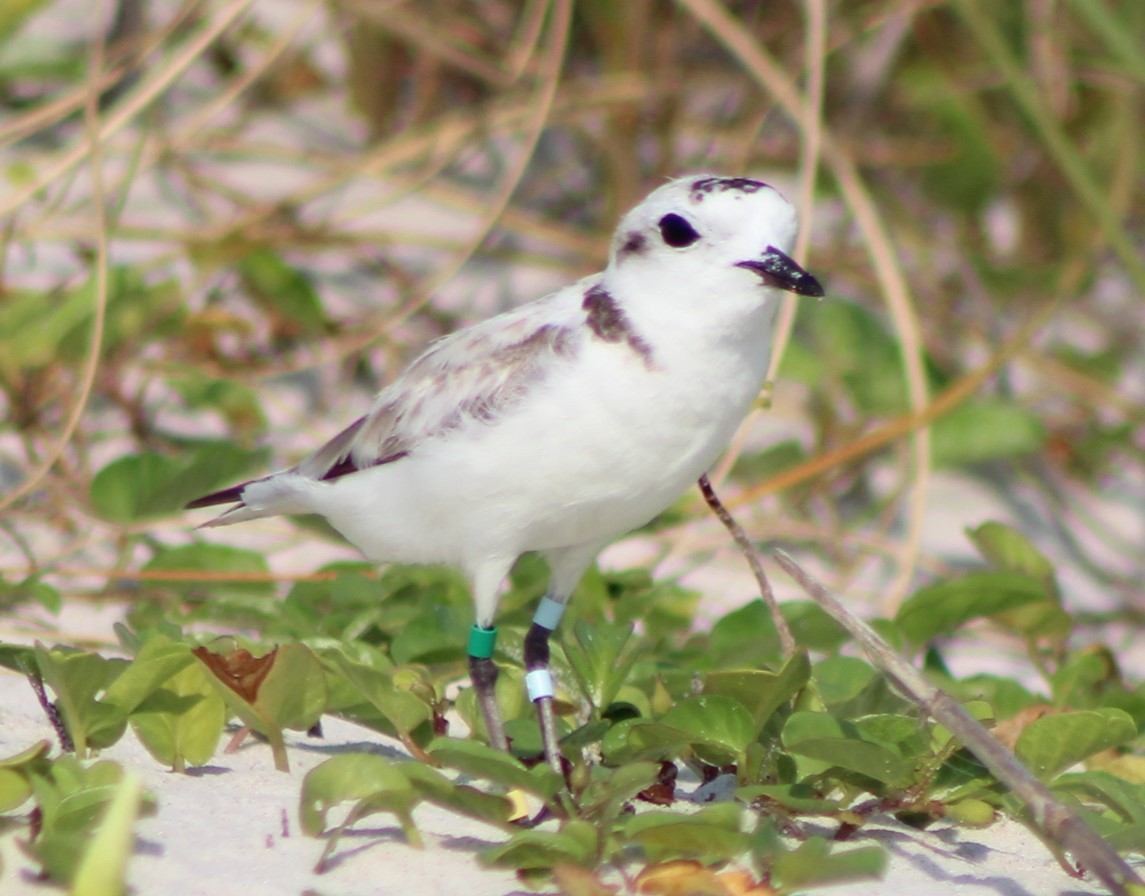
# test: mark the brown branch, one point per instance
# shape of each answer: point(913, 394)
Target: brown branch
point(1059, 824)
point(754, 561)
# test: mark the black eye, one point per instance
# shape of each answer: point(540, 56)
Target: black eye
point(677, 232)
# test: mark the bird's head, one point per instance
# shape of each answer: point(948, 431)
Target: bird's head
point(711, 234)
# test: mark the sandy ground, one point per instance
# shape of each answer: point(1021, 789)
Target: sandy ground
point(231, 827)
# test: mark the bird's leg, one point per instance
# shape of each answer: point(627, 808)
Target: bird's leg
point(483, 671)
point(538, 680)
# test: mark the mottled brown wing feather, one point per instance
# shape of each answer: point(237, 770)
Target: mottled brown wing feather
point(476, 375)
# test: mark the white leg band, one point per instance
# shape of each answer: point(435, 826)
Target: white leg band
point(539, 683)
point(549, 613)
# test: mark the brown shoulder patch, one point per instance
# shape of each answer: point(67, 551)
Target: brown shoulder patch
point(608, 322)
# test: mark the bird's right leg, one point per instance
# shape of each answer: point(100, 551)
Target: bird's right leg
point(487, 578)
point(538, 679)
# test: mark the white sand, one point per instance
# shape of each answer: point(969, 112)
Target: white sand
point(220, 829)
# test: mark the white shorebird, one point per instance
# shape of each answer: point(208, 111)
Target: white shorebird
point(565, 423)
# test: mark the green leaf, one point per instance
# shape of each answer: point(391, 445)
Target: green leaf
point(533, 850)
point(1008, 550)
point(149, 485)
point(1006, 696)
point(719, 724)
point(840, 679)
point(238, 402)
point(812, 863)
point(349, 777)
point(481, 761)
point(180, 723)
point(460, 798)
point(827, 739)
point(286, 688)
point(102, 869)
point(214, 560)
point(610, 790)
point(798, 797)
point(30, 588)
point(1053, 743)
point(742, 639)
point(1123, 797)
point(158, 660)
point(76, 677)
point(848, 343)
point(402, 708)
point(437, 634)
point(135, 487)
point(711, 835)
point(985, 429)
point(284, 290)
point(746, 638)
point(760, 692)
point(600, 658)
point(940, 609)
point(718, 728)
point(15, 772)
point(72, 799)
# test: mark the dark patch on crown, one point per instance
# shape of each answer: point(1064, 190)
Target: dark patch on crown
point(705, 185)
point(608, 322)
point(634, 243)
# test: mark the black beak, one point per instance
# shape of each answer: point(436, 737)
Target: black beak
point(779, 270)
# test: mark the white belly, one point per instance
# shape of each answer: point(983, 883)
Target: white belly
point(585, 459)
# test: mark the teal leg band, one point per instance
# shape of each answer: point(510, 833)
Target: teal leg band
point(482, 641)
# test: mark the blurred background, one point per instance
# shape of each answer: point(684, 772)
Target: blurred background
point(225, 224)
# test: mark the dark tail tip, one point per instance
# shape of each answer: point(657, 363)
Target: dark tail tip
point(231, 495)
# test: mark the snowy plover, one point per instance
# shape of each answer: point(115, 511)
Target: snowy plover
point(565, 423)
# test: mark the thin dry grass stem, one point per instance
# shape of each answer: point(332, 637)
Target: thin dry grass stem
point(52, 111)
point(902, 310)
point(809, 149)
point(751, 553)
point(1027, 94)
point(1082, 387)
point(427, 36)
point(122, 574)
point(42, 117)
point(536, 115)
point(771, 77)
point(191, 126)
point(132, 105)
point(451, 134)
point(523, 45)
point(568, 238)
point(102, 279)
point(1062, 827)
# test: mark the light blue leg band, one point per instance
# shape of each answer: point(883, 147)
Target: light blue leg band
point(549, 613)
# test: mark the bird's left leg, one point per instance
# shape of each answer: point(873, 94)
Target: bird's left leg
point(538, 679)
point(567, 566)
